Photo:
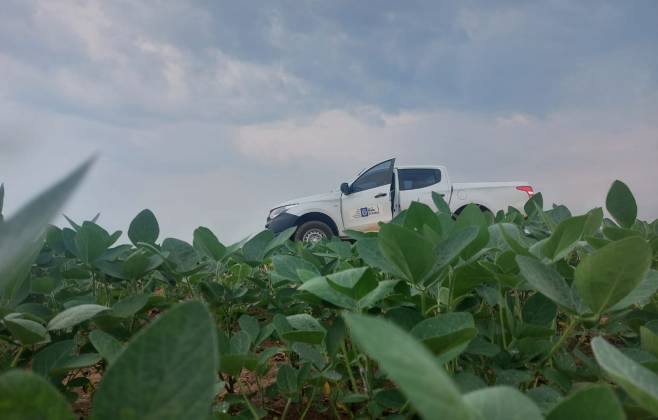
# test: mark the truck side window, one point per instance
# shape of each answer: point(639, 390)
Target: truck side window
point(374, 177)
point(416, 178)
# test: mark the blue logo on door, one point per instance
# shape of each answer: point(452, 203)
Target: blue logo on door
point(364, 212)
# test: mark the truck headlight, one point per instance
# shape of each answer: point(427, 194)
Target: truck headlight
point(277, 211)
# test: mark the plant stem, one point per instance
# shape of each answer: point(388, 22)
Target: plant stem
point(451, 280)
point(502, 318)
point(251, 407)
point(93, 282)
point(565, 335)
point(349, 367)
point(308, 406)
point(19, 353)
point(423, 304)
point(285, 410)
point(332, 403)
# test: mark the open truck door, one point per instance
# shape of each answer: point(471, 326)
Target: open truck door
point(370, 199)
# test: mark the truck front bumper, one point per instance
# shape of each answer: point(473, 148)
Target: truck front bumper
point(281, 222)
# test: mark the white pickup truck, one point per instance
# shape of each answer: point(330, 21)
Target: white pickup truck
point(380, 193)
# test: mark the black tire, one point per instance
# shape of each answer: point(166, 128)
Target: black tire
point(309, 228)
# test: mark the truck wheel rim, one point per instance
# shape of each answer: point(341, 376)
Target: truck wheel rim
point(314, 236)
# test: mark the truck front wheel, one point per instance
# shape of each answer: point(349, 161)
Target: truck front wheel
point(313, 232)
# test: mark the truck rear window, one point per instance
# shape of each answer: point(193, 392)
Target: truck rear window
point(413, 179)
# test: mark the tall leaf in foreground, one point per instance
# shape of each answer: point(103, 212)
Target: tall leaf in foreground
point(412, 367)
point(2, 200)
point(639, 382)
point(21, 236)
point(167, 372)
point(27, 396)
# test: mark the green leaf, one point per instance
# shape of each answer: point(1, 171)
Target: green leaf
point(91, 241)
point(539, 310)
point(609, 274)
point(384, 289)
point(502, 403)
point(250, 325)
point(144, 228)
point(419, 215)
point(182, 254)
point(446, 333)
point(135, 266)
point(472, 215)
point(32, 309)
point(410, 253)
point(564, 238)
point(306, 329)
point(369, 251)
point(639, 382)
point(534, 205)
point(511, 235)
point(129, 306)
point(594, 220)
point(80, 361)
point(455, 244)
point(254, 249)
point(21, 237)
point(233, 364)
point(52, 357)
point(411, 366)
point(240, 342)
point(26, 331)
point(280, 240)
point(108, 347)
point(286, 267)
point(207, 244)
point(440, 203)
point(74, 225)
point(546, 397)
point(286, 380)
point(594, 402)
point(26, 396)
point(356, 282)
point(547, 281)
point(649, 337)
point(341, 248)
point(615, 233)
point(168, 371)
point(74, 316)
point(42, 285)
point(642, 294)
point(621, 204)
point(320, 287)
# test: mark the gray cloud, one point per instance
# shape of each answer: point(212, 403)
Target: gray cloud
point(211, 112)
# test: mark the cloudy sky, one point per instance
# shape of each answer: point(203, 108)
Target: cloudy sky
point(211, 112)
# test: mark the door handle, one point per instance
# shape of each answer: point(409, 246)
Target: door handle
point(381, 195)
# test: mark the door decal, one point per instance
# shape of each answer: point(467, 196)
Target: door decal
point(364, 212)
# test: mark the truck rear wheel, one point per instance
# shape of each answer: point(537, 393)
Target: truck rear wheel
point(313, 232)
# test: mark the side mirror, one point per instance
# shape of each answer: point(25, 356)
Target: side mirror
point(345, 188)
